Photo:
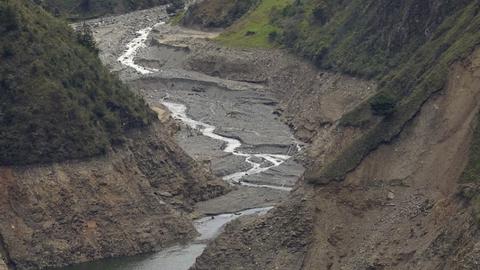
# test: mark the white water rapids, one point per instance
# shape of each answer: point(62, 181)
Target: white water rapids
point(127, 58)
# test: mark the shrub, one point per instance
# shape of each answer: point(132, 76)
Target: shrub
point(319, 14)
point(85, 37)
point(174, 6)
point(272, 36)
point(383, 104)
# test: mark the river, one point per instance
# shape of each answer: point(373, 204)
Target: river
point(251, 150)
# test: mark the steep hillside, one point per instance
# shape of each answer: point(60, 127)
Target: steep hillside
point(411, 63)
point(58, 101)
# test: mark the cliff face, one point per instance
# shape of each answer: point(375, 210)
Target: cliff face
point(131, 201)
point(400, 208)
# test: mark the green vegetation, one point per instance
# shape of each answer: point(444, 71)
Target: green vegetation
point(57, 101)
point(255, 29)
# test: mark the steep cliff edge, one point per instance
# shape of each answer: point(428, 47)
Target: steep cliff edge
point(400, 209)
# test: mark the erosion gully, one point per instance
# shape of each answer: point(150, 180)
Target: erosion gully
point(251, 149)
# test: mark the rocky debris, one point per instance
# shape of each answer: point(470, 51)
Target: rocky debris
point(71, 212)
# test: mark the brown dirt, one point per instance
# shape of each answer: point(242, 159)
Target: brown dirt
point(134, 200)
point(399, 209)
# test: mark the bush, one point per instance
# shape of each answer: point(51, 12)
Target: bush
point(272, 36)
point(319, 15)
point(85, 37)
point(174, 6)
point(8, 18)
point(383, 104)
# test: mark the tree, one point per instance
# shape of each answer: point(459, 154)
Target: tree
point(85, 37)
point(175, 5)
point(383, 104)
point(85, 5)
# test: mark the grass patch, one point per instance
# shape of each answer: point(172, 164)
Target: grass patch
point(253, 29)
